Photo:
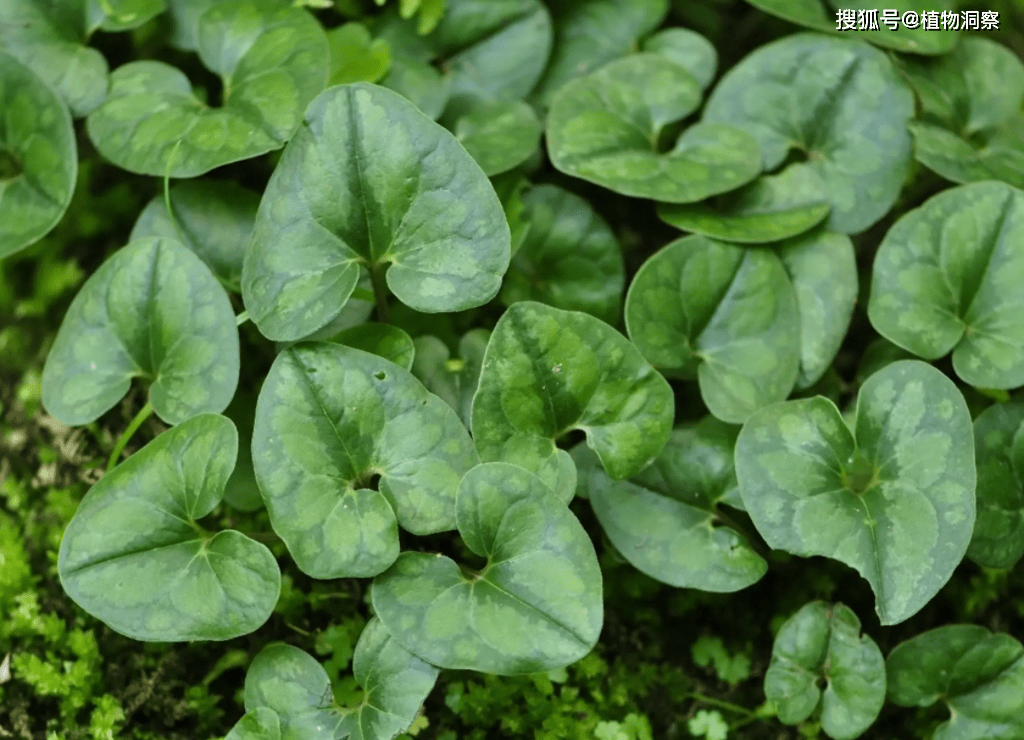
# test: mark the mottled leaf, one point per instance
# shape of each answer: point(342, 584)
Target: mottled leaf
point(329, 420)
point(838, 102)
point(688, 49)
point(947, 277)
point(291, 683)
point(134, 557)
point(260, 724)
point(605, 128)
point(356, 56)
point(569, 257)
point(213, 218)
point(823, 642)
point(996, 154)
point(977, 674)
point(454, 379)
point(369, 180)
point(772, 207)
point(894, 498)
point(272, 59)
point(722, 313)
point(38, 156)
point(153, 311)
point(998, 540)
point(499, 136)
point(537, 603)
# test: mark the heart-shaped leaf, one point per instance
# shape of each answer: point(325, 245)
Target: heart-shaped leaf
point(998, 540)
point(977, 674)
point(688, 49)
point(272, 59)
point(605, 128)
point(722, 313)
point(547, 372)
point(535, 606)
point(259, 724)
point(134, 557)
point(49, 37)
point(667, 521)
point(893, 499)
point(569, 257)
point(946, 277)
point(823, 642)
point(356, 56)
point(499, 136)
point(329, 419)
point(838, 102)
point(454, 380)
point(772, 207)
point(38, 156)
point(212, 218)
point(369, 180)
point(591, 34)
point(152, 311)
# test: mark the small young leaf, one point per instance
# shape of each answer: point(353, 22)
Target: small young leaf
point(499, 136)
point(454, 380)
point(134, 557)
point(688, 49)
point(998, 540)
point(894, 499)
point(535, 606)
point(356, 56)
point(823, 641)
point(152, 311)
point(382, 340)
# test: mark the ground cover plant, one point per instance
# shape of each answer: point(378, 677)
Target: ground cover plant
point(616, 369)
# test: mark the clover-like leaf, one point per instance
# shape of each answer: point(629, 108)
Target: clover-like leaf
point(49, 37)
point(823, 641)
point(666, 520)
point(383, 340)
point(605, 128)
point(591, 34)
point(371, 181)
point(356, 56)
point(569, 257)
point(771, 208)
point(212, 218)
point(977, 674)
point(38, 156)
point(272, 59)
point(840, 103)
point(823, 269)
point(946, 277)
point(688, 49)
point(893, 499)
point(134, 557)
point(499, 136)
point(536, 605)
point(547, 372)
point(329, 419)
point(453, 379)
point(998, 540)
point(722, 313)
point(152, 311)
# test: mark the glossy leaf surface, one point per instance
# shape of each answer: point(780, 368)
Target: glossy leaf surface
point(998, 540)
point(499, 136)
point(356, 56)
point(688, 49)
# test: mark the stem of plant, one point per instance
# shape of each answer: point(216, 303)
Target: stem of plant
point(380, 293)
point(729, 706)
point(144, 413)
point(241, 318)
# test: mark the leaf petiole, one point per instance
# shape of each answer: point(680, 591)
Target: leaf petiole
point(122, 441)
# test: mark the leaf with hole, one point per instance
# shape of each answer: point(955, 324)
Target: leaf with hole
point(134, 557)
point(892, 498)
point(152, 311)
point(499, 136)
point(536, 605)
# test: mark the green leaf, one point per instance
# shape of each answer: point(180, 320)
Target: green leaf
point(722, 313)
point(370, 181)
point(772, 207)
point(499, 136)
point(946, 277)
point(547, 372)
point(823, 269)
point(997, 154)
point(134, 557)
point(998, 540)
point(591, 34)
point(535, 606)
point(837, 102)
point(420, 83)
point(709, 724)
point(152, 311)
point(979, 675)
point(49, 37)
point(893, 499)
point(213, 218)
point(329, 419)
point(122, 15)
point(569, 257)
point(271, 58)
point(688, 49)
point(260, 724)
point(453, 379)
point(665, 519)
point(38, 157)
point(356, 56)
point(183, 16)
point(382, 340)
point(291, 684)
point(823, 642)
point(605, 128)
